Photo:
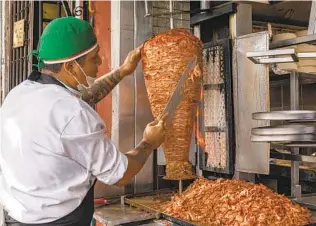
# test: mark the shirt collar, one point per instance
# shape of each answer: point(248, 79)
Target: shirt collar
point(72, 90)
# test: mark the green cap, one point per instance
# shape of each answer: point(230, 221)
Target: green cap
point(65, 39)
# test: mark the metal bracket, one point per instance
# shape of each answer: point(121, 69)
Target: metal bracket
point(66, 8)
point(306, 55)
point(268, 57)
point(293, 41)
point(275, 56)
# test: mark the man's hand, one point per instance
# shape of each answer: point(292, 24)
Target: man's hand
point(131, 61)
point(155, 132)
point(154, 135)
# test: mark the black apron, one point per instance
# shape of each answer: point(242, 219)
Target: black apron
point(83, 214)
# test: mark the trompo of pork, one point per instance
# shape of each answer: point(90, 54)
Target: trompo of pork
point(164, 59)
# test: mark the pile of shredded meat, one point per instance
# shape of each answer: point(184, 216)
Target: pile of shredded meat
point(234, 202)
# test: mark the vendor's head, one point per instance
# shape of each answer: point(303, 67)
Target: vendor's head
point(68, 49)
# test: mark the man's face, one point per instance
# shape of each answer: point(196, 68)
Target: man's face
point(89, 65)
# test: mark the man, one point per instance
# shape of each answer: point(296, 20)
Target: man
point(53, 145)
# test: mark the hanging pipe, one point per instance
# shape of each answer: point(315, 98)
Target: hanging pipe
point(92, 12)
point(171, 14)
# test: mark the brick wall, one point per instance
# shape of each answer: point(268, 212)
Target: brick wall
point(161, 23)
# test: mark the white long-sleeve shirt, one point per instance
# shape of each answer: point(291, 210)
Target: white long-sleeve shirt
point(52, 149)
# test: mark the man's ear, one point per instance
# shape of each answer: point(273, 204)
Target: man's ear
point(70, 68)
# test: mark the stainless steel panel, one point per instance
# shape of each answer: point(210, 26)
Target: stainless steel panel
point(123, 103)
point(127, 85)
point(251, 93)
point(241, 22)
point(295, 165)
point(123, 95)
point(312, 19)
point(118, 214)
point(143, 115)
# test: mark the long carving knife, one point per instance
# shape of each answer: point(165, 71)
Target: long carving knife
point(177, 94)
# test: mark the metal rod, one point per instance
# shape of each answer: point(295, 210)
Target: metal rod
point(180, 186)
point(1, 51)
point(291, 157)
point(40, 21)
point(146, 8)
point(276, 52)
point(167, 13)
point(20, 49)
point(205, 4)
point(295, 180)
point(171, 15)
point(16, 50)
point(59, 9)
point(26, 43)
point(306, 55)
point(66, 8)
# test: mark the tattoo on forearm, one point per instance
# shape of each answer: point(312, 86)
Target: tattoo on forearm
point(102, 87)
point(145, 150)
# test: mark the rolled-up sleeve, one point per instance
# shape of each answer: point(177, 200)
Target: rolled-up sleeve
point(83, 140)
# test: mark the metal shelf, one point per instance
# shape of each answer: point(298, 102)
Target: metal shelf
point(290, 129)
point(278, 56)
point(301, 115)
point(284, 138)
point(311, 39)
point(300, 158)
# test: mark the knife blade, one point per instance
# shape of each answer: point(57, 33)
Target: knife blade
point(177, 94)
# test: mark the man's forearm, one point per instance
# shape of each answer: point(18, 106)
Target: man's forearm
point(103, 86)
point(141, 152)
point(136, 160)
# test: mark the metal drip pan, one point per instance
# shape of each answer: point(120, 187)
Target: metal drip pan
point(289, 129)
point(286, 115)
point(284, 138)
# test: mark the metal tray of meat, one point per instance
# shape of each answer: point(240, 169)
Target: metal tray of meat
point(299, 115)
point(147, 201)
point(284, 138)
point(148, 204)
point(289, 129)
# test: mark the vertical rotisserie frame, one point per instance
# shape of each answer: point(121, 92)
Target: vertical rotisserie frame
point(223, 49)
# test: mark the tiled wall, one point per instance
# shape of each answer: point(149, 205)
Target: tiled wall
point(161, 23)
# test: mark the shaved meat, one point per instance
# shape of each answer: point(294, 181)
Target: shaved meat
point(234, 202)
point(164, 59)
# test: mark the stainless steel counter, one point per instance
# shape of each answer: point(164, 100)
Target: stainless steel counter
point(118, 214)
